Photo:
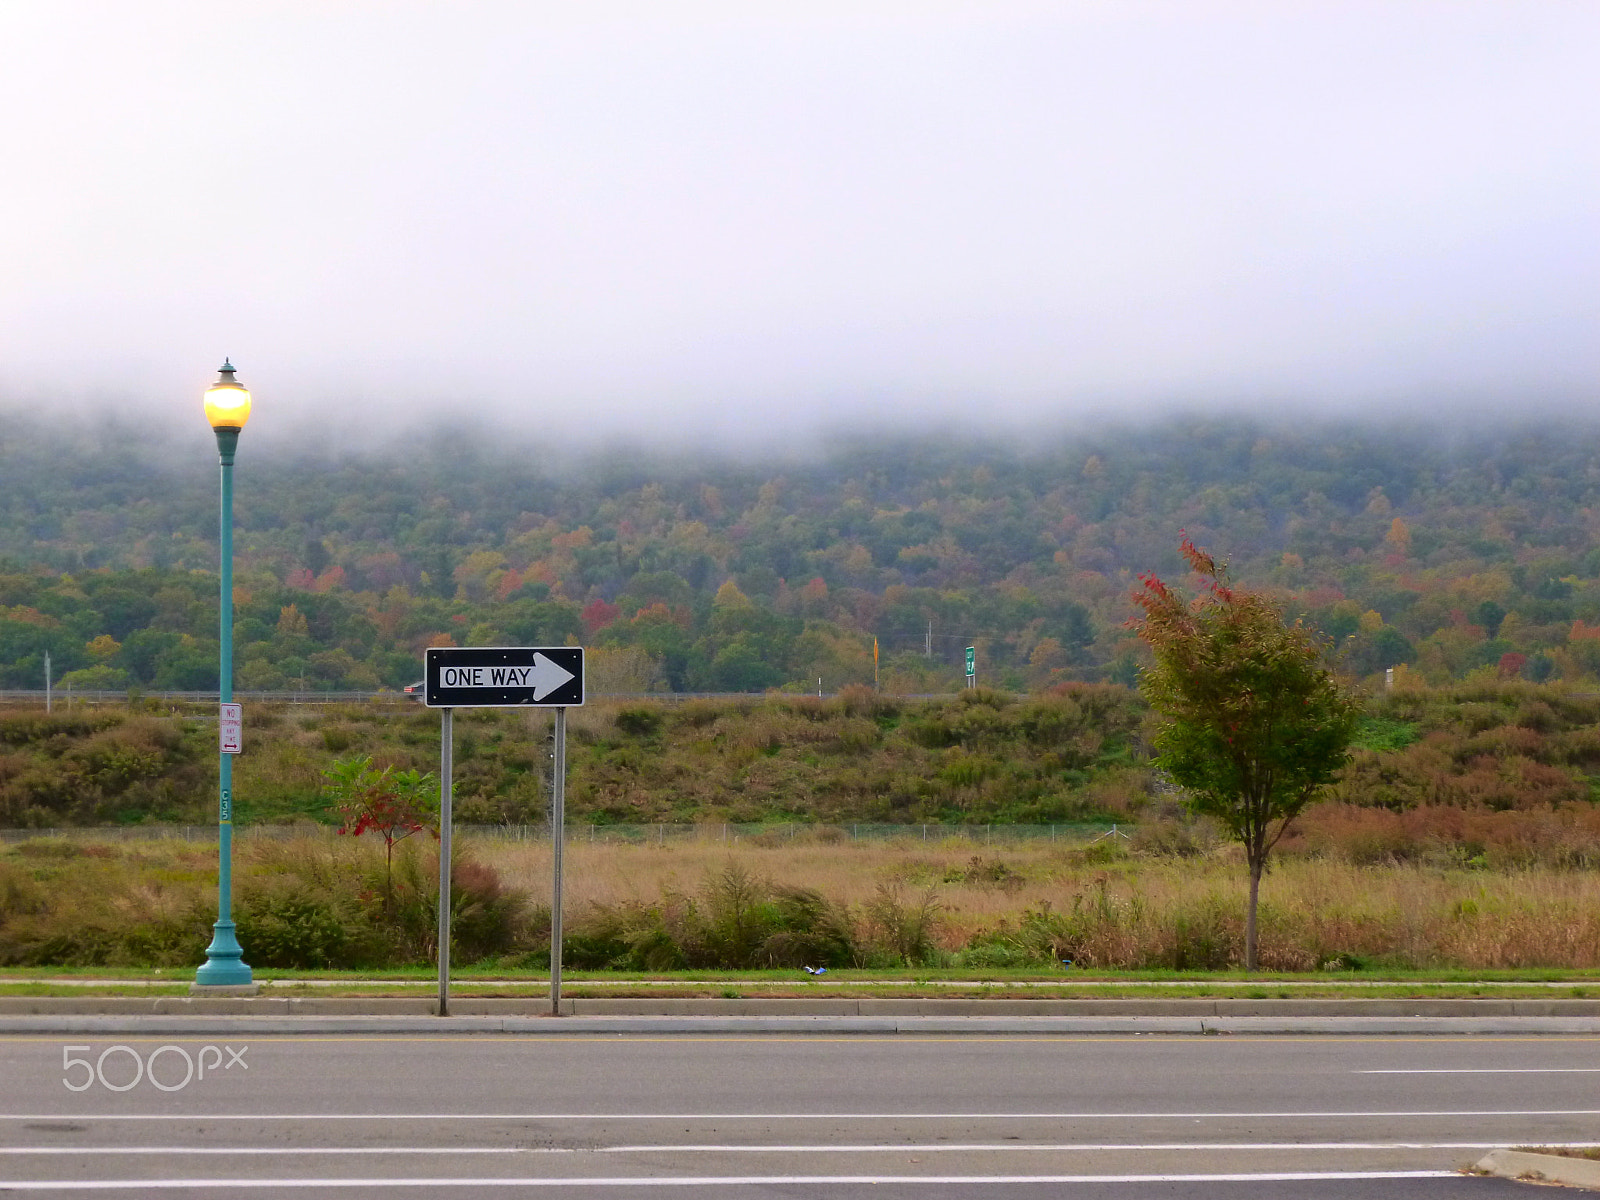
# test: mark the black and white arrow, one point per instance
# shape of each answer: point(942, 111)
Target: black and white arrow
point(546, 676)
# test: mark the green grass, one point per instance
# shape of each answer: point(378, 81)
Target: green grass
point(484, 980)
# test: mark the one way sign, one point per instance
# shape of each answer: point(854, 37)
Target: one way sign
point(504, 676)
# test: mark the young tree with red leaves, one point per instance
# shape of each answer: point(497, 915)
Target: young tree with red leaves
point(1255, 721)
point(393, 804)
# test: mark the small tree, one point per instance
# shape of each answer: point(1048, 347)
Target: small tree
point(393, 804)
point(1255, 723)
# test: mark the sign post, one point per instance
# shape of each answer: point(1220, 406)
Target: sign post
point(972, 666)
point(503, 677)
point(558, 825)
point(446, 801)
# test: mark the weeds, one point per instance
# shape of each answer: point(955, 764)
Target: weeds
point(319, 902)
point(901, 930)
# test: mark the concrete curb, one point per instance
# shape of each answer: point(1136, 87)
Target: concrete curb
point(238, 1016)
point(1546, 1168)
point(151, 1025)
point(651, 1006)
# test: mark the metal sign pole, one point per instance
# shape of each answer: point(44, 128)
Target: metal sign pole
point(558, 835)
point(503, 677)
point(446, 739)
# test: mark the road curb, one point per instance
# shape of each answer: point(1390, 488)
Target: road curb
point(423, 1005)
point(1544, 1168)
point(163, 1025)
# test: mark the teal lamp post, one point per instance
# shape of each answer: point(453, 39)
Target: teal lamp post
point(227, 408)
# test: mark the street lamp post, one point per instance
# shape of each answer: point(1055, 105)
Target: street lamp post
point(227, 408)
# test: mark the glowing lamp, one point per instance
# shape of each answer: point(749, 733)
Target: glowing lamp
point(227, 400)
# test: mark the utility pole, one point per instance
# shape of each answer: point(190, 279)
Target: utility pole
point(927, 642)
point(47, 681)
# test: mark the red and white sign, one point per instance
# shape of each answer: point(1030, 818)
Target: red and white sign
point(231, 729)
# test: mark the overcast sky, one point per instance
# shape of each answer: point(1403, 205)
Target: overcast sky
point(750, 218)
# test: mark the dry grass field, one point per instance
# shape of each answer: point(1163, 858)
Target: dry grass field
point(1103, 906)
point(1464, 835)
point(324, 901)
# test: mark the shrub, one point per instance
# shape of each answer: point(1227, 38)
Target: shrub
point(1206, 936)
point(1169, 838)
point(92, 910)
point(738, 916)
point(932, 732)
point(600, 942)
point(858, 700)
point(901, 930)
point(1103, 851)
point(740, 921)
point(292, 925)
point(26, 728)
point(810, 932)
point(984, 872)
point(854, 736)
point(982, 696)
point(639, 722)
point(486, 917)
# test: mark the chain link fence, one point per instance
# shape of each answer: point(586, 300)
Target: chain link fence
point(757, 834)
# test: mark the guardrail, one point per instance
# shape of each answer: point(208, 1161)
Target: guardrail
point(60, 696)
point(1070, 832)
point(64, 697)
point(1078, 832)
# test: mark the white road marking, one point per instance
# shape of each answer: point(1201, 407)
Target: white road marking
point(1077, 1147)
point(805, 1116)
point(296, 1151)
point(770, 1148)
point(1483, 1071)
point(107, 1185)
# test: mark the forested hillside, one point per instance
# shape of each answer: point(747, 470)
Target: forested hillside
point(1474, 554)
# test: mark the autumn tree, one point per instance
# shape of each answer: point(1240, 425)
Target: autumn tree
point(393, 804)
point(1255, 723)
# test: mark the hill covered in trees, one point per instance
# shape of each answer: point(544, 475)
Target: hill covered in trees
point(1476, 554)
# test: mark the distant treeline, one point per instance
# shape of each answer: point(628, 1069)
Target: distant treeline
point(1478, 555)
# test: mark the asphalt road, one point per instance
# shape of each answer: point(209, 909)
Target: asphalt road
point(814, 1116)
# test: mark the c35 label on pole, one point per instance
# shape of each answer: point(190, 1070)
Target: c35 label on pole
point(503, 677)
